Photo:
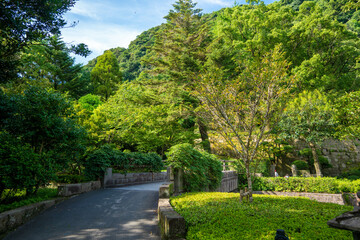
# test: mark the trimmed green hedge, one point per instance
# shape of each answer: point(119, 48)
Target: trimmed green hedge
point(221, 216)
point(301, 184)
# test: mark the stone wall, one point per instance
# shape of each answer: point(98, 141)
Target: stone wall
point(342, 155)
point(172, 225)
point(114, 179)
point(12, 219)
point(66, 190)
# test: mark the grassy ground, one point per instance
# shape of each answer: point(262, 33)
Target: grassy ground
point(19, 198)
point(221, 216)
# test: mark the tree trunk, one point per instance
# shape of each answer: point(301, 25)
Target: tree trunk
point(204, 135)
point(248, 177)
point(316, 160)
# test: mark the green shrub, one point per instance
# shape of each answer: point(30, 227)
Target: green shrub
point(307, 152)
point(19, 198)
point(101, 159)
point(221, 216)
point(311, 184)
point(107, 156)
point(68, 178)
point(301, 165)
point(201, 170)
point(353, 174)
point(150, 162)
point(20, 167)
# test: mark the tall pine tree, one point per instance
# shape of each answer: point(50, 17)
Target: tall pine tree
point(179, 52)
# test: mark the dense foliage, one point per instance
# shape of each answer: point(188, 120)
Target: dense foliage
point(201, 170)
point(107, 156)
point(309, 184)
point(23, 22)
point(221, 216)
point(144, 119)
point(39, 136)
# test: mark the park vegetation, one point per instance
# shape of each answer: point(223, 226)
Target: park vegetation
point(256, 77)
point(220, 216)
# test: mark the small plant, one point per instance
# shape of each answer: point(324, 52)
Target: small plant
point(352, 174)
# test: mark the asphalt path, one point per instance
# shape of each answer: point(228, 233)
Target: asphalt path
point(113, 213)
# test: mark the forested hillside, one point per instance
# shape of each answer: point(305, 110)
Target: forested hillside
point(130, 59)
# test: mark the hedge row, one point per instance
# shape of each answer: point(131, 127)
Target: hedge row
point(311, 184)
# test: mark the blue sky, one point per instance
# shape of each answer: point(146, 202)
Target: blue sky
point(105, 24)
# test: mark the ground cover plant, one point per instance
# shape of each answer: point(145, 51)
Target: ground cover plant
point(18, 199)
point(310, 184)
point(221, 216)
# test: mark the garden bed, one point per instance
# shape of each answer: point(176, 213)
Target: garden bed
point(221, 216)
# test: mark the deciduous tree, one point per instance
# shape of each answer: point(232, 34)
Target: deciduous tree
point(310, 118)
point(106, 75)
point(241, 108)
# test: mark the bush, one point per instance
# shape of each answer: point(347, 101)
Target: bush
point(299, 184)
point(301, 165)
point(150, 162)
point(19, 198)
point(107, 156)
point(101, 159)
point(353, 174)
point(68, 178)
point(20, 167)
point(221, 216)
point(201, 170)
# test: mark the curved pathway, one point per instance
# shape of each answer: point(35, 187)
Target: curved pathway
point(113, 213)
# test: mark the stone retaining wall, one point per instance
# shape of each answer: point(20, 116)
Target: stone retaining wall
point(114, 179)
point(77, 188)
point(12, 219)
point(320, 197)
point(172, 224)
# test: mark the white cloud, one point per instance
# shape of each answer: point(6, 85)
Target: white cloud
point(84, 9)
point(223, 3)
point(99, 37)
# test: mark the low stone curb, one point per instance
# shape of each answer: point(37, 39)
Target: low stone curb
point(12, 219)
point(172, 224)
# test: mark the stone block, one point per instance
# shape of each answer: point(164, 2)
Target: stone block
point(172, 224)
point(164, 191)
point(12, 219)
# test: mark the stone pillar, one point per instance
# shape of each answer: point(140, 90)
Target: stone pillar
point(107, 177)
point(170, 174)
point(178, 180)
point(272, 170)
point(294, 170)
